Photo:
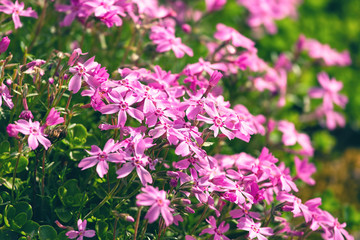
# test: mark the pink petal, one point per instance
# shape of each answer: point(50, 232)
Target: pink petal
point(125, 170)
point(33, 142)
point(102, 168)
point(75, 83)
point(144, 175)
point(88, 163)
point(153, 213)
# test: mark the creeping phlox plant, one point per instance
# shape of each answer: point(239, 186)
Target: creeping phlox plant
point(149, 152)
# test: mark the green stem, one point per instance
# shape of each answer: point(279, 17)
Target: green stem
point(200, 220)
point(16, 166)
point(103, 201)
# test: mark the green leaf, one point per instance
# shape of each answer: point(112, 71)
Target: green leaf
point(47, 232)
point(63, 214)
point(10, 213)
point(4, 147)
point(24, 207)
point(101, 229)
point(30, 228)
point(70, 194)
point(79, 134)
point(20, 220)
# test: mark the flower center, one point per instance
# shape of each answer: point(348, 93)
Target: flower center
point(254, 229)
point(123, 106)
point(160, 202)
point(218, 122)
point(159, 112)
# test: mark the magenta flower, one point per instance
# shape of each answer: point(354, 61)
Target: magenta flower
point(225, 33)
point(122, 106)
point(218, 232)
point(54, 118)
point(199, 67)
point(138, 162)
point(329, 92)
point(159, 204)
point(16, 10)
point(4, 43)
point(82, 71)
point(101, 157)
point(166, 41)
point(82, 232)
point(304, 170)
point(219, 122)
point(75, 56)
point(214, 5)
point(5, 94)
point(255, 230)
point(35, 132)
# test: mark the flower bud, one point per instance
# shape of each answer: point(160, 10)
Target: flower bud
point(173, 182)
point(189, 209)
point(4, 44)
point(186, 28)
point(51, 80)
point(26, 114)
point(215, 77)
point(8, 81)
point(12, 131)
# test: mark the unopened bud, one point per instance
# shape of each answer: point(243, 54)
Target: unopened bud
point(189, 209)
point(4, 44)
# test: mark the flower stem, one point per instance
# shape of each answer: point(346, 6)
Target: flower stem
point(103, 201)
point(200, 220)
point(137, 223)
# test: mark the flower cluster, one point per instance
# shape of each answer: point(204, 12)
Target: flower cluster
point(163, 130)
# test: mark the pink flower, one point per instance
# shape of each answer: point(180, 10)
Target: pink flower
point(329, 92)
point(122, 106)
point(214, 5)
point(4, 43)
point(82, 232)
point(159, 204)
point(225, 33)
point(304, 170)
point(219, 122)
point(82, 71)
point(75, 56)
point(218, 232)
point(165, 39)
point(5, 94)
point(75, 9)
point(101, 157)
point(255, 229)
point(16, 10)
point(317, 50)
point(35, 132)
point(54, 118)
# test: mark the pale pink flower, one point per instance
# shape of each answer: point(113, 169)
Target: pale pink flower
point(218, 232)
point(16, 10)
point(35, 132)
point(54, 118)
point(214, 5)
point(82, 71)
point(122, 106)
point(225, 33)
point(159, 204)
point(101, 157)
point(5, 94)
point(329, 92)
point(82, 232)
point(304, 170)
point(255, 230)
